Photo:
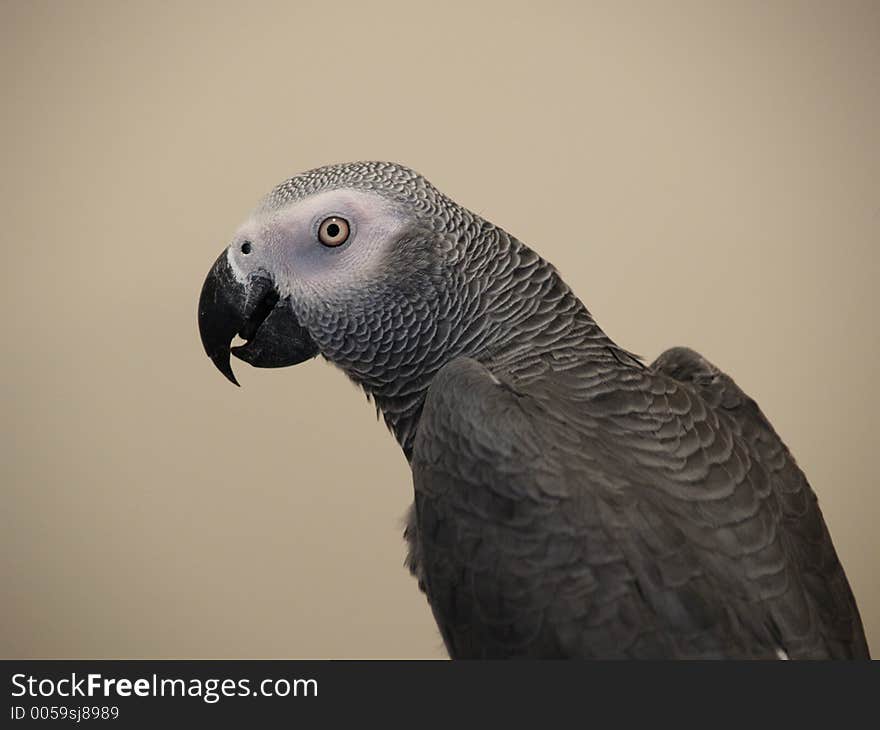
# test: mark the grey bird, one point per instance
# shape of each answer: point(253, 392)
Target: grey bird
point(570, 501)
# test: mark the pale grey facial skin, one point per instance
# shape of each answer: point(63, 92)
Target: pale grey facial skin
point(285, 244)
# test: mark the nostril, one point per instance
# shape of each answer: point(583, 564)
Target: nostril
point(246, 247)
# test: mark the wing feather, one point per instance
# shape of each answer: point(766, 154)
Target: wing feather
point(635, 513)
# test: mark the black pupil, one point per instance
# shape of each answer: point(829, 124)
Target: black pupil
point(333, 230)
point(246, 247)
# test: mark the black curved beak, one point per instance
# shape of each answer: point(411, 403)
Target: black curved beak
point(254, 311)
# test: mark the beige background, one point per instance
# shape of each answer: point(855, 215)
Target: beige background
point(704, 174)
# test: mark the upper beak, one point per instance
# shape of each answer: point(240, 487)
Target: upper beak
point(254, 311)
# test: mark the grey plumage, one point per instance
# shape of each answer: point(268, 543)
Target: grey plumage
point(569, 500)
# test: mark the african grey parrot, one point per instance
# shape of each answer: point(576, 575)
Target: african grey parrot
point(570, 501)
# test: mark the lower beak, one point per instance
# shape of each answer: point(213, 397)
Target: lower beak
point(255, 311)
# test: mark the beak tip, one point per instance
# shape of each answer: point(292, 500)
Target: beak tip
point(221, 361)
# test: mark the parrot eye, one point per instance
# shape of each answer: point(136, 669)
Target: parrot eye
point(246, 248)
point(333, 231)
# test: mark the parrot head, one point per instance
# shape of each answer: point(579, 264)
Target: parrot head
point(356, 262)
